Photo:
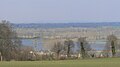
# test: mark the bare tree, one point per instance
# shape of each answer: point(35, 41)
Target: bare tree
point(9, 43)
point(68, 45)
point(84, 46)
point(111, 43)
point(57, 48)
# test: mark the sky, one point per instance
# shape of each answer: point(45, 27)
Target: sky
point(58, 11)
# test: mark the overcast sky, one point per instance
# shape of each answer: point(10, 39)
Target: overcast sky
point(30, 11)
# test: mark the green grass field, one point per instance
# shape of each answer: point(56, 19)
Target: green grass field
point(106, 62)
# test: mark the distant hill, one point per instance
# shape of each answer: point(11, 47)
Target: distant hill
point(64, 25)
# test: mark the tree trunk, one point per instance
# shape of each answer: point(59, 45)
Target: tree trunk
point(82, 50)
point(68, 52)
point(113, 48)
point(58, 55)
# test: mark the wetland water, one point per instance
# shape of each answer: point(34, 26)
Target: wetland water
point(37, 44)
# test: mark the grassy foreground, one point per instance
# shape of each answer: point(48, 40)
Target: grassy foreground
point(106, 62)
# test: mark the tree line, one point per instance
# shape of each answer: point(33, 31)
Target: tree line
point(11, 47)
point(110, 50)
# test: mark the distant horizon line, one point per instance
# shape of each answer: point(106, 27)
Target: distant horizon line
point(62, 22)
